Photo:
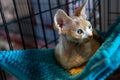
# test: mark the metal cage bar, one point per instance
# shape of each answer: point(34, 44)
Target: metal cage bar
point(33, 31)
point(99, 9)
point(5, 26)
point(23, 42)
point(94, 13)
point(108, 12)
point(54, 34)
point(2, 75)
point(42, 23)
point(92, 8)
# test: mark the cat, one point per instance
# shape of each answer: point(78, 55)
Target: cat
point(78, 41)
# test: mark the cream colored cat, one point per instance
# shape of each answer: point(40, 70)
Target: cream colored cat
point(77, 42)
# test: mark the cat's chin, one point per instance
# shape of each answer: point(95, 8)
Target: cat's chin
point(86, 40)
point(80, 41)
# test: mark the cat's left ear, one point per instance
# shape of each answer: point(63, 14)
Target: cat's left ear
point(81, 11)
point(60, 19)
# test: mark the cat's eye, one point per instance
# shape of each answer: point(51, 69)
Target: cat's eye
point(89, 27)
point(79, 31)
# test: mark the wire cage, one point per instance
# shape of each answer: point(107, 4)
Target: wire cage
point(28, 24)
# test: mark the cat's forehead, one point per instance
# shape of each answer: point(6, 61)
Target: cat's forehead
point(74, 18)
point(80, 21)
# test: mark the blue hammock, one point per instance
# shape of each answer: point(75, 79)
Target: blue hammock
point(40, 64)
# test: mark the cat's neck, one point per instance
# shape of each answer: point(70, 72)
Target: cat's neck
point(75, 48)
point(67, 44)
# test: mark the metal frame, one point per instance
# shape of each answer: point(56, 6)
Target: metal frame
point(91, 11)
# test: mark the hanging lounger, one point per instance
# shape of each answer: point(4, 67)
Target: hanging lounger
point(40, 64)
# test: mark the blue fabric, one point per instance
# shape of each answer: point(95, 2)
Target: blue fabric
point(106, 59)
point(40, 64)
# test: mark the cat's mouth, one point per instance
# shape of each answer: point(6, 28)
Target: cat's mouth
point(81, 41)
point(87, 39)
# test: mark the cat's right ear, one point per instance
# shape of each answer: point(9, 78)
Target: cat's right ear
point(60, 19)
point(80, 11)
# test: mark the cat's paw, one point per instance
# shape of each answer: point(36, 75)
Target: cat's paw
point(77, 70)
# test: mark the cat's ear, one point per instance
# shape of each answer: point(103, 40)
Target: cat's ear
point(60, 19)
point(80, 11)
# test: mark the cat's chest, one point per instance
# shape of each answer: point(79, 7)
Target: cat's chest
point(84, 51)
point(77, 55)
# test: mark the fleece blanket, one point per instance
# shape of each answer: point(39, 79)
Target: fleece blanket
point(40, 64)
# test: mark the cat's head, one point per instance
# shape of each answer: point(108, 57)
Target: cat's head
point(76, 28)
